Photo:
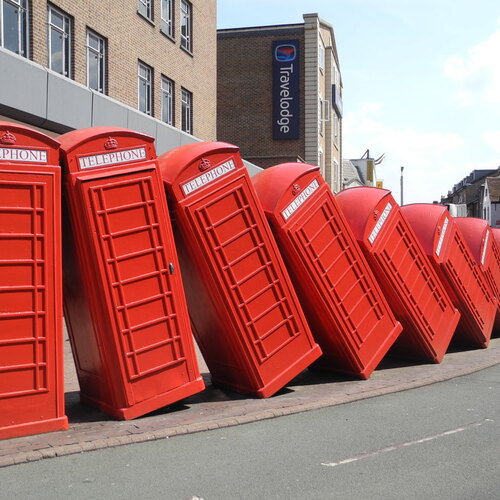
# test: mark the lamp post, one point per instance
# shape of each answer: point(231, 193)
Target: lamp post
point(401, 204)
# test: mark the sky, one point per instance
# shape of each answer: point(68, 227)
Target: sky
point(421, 83)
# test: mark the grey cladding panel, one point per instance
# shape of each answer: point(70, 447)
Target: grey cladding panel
point(23, 86)
point(69, 103)
point(140, 122)
point(107, 112)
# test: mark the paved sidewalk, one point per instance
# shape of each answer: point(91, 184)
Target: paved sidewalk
point(215, 408)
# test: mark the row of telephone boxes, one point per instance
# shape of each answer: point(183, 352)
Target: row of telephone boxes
point(278, 274)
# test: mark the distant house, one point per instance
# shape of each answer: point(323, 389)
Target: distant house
point(351, 176)
point(469, 191)
point(491, 201)
point(361, 171)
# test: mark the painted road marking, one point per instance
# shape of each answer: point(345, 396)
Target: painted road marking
point(406, 444)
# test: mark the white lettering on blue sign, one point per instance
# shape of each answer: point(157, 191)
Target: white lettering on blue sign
point(286, 89)
point(300, 200)
point(441, 237)
point(380, 223)
point(23, 155)
point(285, 115)
point(112, 158)
point(208, 177)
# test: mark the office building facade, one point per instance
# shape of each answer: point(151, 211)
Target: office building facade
point(154, 56)
point(279, 95)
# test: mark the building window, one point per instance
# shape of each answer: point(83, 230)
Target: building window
point(14, 26)
point(96, 62)
point(336, 176)
point(59, 42)
point(145, 8)
point(167, 100)
point(336, 126)
point(321, 55)
point(186, 26)
point(323, 113)
point(187, 111)
point(167, 17)
point(145, 83)
point(320, 115)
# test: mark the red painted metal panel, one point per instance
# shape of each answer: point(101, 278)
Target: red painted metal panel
point(31, 370)
point(247, 319)
point(454, 263)
point(496, 235)
point(124, 299)
point(347, 312)
point(415, 292)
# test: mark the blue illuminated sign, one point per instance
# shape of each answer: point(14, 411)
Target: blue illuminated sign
point(286, 95)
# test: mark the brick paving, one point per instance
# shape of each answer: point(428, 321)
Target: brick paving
point(215, 408)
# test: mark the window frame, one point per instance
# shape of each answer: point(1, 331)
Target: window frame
point(323, 114)
point(167, 23)
point(186, 111)
point(149, 87)
point(321, 55)
point(170, 99)
point(23, 32)
point(187, 20)
point(145, 9)
point(336, 129)
point(103, 56)
point(67, 35)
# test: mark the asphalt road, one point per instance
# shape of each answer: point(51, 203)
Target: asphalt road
point(440, 441)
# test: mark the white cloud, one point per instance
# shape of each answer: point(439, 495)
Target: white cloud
point(477, 74)
point(429, 157)
point(492, 139)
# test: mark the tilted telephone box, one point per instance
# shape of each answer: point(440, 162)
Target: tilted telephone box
point(348, 314)
point(247, 318)
point(479, 237)
point(123, 295)
point(417, 297)
point(455, 265)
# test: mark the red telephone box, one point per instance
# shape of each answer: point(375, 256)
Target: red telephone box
point(496, 235)
point(348, 315)
point(247, 319)
point(31, 335)
point(123, 295)
point(417, 297)
point(481, 241)
point(453, 262)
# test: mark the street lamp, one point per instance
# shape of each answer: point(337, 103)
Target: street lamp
point(401, 204)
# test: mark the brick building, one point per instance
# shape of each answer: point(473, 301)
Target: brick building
point(470, 191)
point(279, 94)
point(155, 56)
point(491, 200)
